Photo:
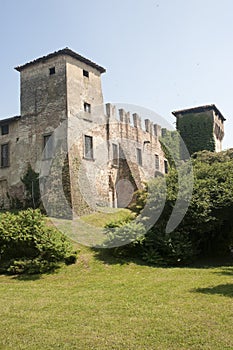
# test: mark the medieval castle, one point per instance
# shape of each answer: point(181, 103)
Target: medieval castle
point(106, 156)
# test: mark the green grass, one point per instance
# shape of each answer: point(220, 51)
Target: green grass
point(100, 219)
point(89, 229)
point(107, 304)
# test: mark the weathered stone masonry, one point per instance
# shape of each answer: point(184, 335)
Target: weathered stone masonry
point(110, 153)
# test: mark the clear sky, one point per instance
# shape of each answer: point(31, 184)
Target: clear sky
point(160, 54)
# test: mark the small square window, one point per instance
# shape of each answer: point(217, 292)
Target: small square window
point(139, 156)
point(87, 107)
point(88, 147)
point(52, 71)
point(85, 73)
point(5, 129)
point(48, 146)
point(5, 155)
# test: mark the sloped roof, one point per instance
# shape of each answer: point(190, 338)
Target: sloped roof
point(67, 52)
point(9, 120)
point(199, 109)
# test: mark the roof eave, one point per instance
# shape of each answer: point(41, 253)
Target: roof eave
point(199, 109)
point(10, 119)
point(66, 52)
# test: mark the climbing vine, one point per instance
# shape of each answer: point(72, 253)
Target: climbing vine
point(197, 132)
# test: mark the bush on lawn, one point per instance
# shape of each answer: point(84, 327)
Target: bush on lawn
point(206, 230)
point(28, 245)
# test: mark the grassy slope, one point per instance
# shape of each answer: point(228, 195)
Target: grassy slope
point(89, 229)
point(97, 305)
point(101, 219)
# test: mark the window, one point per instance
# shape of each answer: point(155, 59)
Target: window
point(5, 155)
point(88, 147)
point(87, 107)
point(5, 129)
point(85, 73)
point(115, 154)
point(156, 162)
point(48, 146)
point(165, 166)
point(52, 71)
point(139, 156)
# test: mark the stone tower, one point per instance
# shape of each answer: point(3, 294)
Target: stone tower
point(87, 155)
point(59, 83)
point(201, 128)
point(53, 88)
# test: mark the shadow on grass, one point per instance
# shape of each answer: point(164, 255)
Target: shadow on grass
point(222, 289)
point(225, 262)
point(112, 256)
point(226, 271)
point(25, 277)
point(31, 276)
point(109, 257)
point(34, 277)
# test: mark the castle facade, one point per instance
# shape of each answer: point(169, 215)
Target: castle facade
point(107, 153)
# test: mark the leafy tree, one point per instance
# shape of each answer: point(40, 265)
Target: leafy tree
point(207, 227)
point(208, 222)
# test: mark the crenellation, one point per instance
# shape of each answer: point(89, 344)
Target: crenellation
point(149, 126)
point(122, 114)
point(157, 131)
point(110, 111)
point(137, 121)
point(127, 118)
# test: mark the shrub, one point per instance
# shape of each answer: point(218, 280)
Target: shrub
point(124, 236)
point(27, 245)
point(120, 222)
point(32, 188)
point(206, 229)
point(168, 249)
point(154, 247)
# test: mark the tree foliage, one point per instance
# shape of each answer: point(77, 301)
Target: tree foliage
point(32, 188)
point(206, 229)
point(28, 245)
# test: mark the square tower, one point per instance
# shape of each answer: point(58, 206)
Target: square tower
point(59, 82)
point(201, 128)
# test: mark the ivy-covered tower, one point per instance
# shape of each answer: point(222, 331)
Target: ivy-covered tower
point(201, 128)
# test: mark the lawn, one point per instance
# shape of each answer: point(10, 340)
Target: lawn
point(89, 229)
point(110, 304)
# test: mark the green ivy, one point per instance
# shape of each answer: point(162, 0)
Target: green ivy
point(170, 143)
point(197, 132)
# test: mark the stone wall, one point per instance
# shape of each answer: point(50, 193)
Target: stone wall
point(43, 109)
point(53, 93)
point(81, 89)
point(102, 180)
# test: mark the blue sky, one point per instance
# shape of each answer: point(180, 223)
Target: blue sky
point(160, 54)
